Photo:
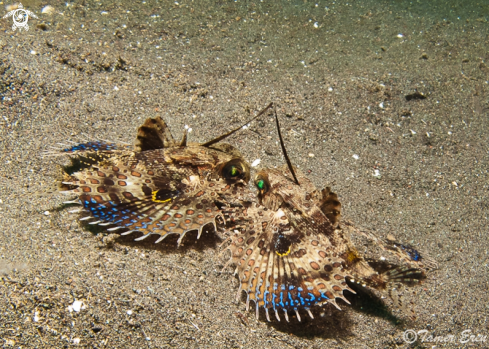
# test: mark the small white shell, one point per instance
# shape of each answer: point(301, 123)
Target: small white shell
point(48, 9)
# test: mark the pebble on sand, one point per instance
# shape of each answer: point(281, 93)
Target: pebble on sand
point(47, 9)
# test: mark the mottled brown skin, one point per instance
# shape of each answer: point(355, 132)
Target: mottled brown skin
point(289, 246)
point(294, 247)
point(161, 187)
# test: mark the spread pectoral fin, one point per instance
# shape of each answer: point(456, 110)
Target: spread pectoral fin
point(137, 199)
point(282, 269)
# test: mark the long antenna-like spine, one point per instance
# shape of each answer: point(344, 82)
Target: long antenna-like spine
point(220, 138)
point(285, 151)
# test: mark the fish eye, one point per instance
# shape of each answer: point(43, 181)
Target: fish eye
point(262, 185)
point(234, 169)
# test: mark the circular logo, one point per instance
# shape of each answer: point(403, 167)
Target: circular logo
point(410, 336)
point(20, 17)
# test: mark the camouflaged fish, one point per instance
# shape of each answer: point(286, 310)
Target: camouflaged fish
point(161, 187)
point(293, 253)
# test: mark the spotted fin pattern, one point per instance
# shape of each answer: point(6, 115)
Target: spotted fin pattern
point(139, 200)
point(161, 188)
point(293, 253)
point(283, 269)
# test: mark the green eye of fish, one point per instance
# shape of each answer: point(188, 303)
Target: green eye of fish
point(260, 184)
point(234, 171)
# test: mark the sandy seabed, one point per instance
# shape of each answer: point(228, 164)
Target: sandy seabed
point(385, 101)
